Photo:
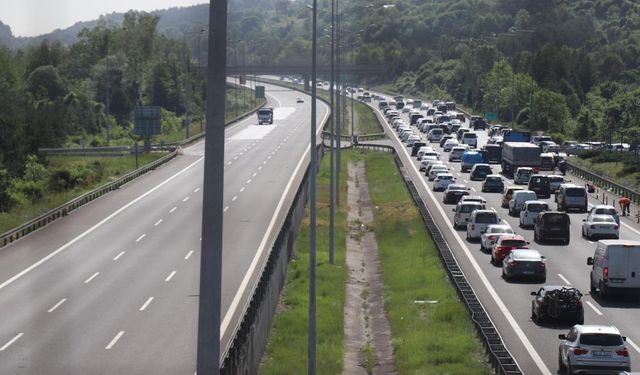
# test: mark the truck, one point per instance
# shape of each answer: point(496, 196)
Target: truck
point(493, 153)
point(519, 154)
point(417, 104)
point(516, 136)
point(265, 116)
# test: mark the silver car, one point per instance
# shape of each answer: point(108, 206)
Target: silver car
point(593, 348)
point(491, 235)
point(600, 226)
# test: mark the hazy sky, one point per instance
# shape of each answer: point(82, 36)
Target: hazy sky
point(35, 17)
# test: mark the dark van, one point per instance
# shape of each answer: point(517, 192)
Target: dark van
point(552, 226)
point(539, 183)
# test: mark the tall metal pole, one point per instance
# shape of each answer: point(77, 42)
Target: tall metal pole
point(312, 201)
point(208, 359)
point(338, 99)
point(352, 119)
point(332, 143)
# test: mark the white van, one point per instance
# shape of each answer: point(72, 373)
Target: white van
point(517, 200)
point(479, 221)
point(616, 268)
point(470, 138)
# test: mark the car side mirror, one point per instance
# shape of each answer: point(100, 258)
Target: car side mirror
point(584, 220)
point(589, 261)
point(528, 243)
point(454, 210)
point(562, 336)
point(624, 338)
point(534, 293)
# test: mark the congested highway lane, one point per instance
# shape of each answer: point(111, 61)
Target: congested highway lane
point(113, 287)
point(509, 303)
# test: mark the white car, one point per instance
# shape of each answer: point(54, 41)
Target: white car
point(443, 180)
point(405, 134)
point(449, 144)
point(530, 212)
point(522, 175)
point(412, 139)
point(406, 109)
point(425, 161)
point(479, 221)
point(423, 150)
point(518, 199)
point(432, 153)
point(600, 226)
point(463, 212)
point(456, 152)
point(432, 164)
point(438, 168)
point(491, 235)
point(592, 348)
point(602, 209)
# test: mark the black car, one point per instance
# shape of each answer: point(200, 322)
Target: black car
point(444, 139)
point(553, 303)
point(493, 183)
point(552, 226)
point(416, 148)
point(494, 153)
point(480, 171)
point(454, 192)
point(453, 128)
point(460, 132)
point(539, 183)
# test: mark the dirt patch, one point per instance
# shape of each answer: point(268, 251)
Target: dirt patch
point(368, 347)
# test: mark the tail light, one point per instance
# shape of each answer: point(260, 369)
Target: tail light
point(580, 351)
point(473, 227)
point(605, 274)
point(512, 263)
point(594, 227)
point(542, 265)
point(623, 352)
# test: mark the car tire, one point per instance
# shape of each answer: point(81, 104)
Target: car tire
point(601, 292)
point(534, 317)
point(566, 241)
point(561, 367)
point(543, 279)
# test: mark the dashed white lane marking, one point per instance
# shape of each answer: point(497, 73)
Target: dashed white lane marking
point(14, 339)
point(196, 190)
point(119, 255)
point(144, 305)
point(114, 340)
point(225, 209)
point(142, 236)
point(157, 223)
point(242, 189)
point(465, 181)
point(474, 189)
point(229, 163)
point(87, 281)
point(633, 345)
point(564, 279)
point(458, 173)
point(170, 276)
point(52, 309)
point(188, 255)
point(234, 198)
point(173, 209)
point(595, 309)
point(260, 167)
point(248, 181)
point(255, 174)
point(185, 199)
point(235, 157)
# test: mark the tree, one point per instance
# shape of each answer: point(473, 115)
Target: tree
point(549, 112)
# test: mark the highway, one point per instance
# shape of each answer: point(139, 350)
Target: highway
point(534, 347)
point(113, 287)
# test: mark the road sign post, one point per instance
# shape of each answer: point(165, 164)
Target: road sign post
point(147, 123)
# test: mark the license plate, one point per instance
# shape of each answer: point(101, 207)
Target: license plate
point(601, 354)
point(528, 272)
point(604, 227)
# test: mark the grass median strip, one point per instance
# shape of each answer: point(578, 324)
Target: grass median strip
point(431, 329)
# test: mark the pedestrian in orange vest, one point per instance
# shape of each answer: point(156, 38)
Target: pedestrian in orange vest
point(625, 204)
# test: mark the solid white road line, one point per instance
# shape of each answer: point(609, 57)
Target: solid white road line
point(52, 309)
point(188, 255)
point(114, 340)
point(564, 279)
point(633, 344)
point(185, 199)
point(595, 309)
point(93, 228)
point(142, 236)
point(157, 223)
point(87, 281)
point(170, 276)
point(5, 346)
point(119, 255)
point(173, 209)
point(144, 305)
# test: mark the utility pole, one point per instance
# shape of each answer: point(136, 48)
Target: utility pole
point(208, 357)
point(332, 184)
point(338, 99)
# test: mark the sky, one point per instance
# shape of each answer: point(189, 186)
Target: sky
point(36, 17)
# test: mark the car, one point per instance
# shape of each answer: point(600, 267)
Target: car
point(540, 184)
point(425, 161)
point(412, 139)
point(480, 171)
point(433, 163)
point(554, 182)
point(449, 144)
point(479, 221)
point(503, 246)
point(443, 180)
point(526, 263)
point(453, 193)
point(593, 348)
point(469, 159)
point(469, 138)
point(522, 175)
point(571, 197)
point(435, 169)
point(530, 212)
point(423, 150)
point(557, 303)
point(445, 138)
point(463, 212)
point(299, 100)
point(434, 135)
point(612, 263)
point(432, 153)
point(517, 200)
point(603, 209)
point(491, 235)
point(492, 183)
point(508, 193)
point(406, 109)
point(457, 152)
point(552, 226)
point(600, 226)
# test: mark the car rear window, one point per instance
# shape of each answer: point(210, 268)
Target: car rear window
point(606, 211)
point(604, 219)
point(514, 243)
point(470, 207)
point(575, 192)
point(537, 207)
point(444, 177)
point(483, 168)
point(556, 179)
point(469, 135)
point(539, 180)
point(599, 339)
point(500, 230)
point(486, 218)
point(555, 219)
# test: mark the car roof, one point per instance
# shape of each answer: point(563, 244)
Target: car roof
point(507, 237)
point(526, 203)
point(522, 192)
point(470, 203)
point(524, 253)
point(593, 328)
point(481, 165)
point(445, 174)
point(456, 186)
point(605, 206)
point(556, 287)
point(499, 226)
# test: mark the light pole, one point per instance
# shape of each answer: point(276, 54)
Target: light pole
point(332, 185)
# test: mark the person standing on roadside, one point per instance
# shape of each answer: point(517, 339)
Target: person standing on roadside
point(625, 205)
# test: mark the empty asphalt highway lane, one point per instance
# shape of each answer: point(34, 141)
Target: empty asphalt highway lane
point(113, 287)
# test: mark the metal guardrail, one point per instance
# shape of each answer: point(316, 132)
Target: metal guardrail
point(371, 137)
point(604, 183)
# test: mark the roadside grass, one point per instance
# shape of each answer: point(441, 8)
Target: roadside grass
point(614, 171)
point(114, 167)
point(367, 122)
point(286, 351)
point(428, 338)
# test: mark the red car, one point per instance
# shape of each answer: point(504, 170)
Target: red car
point(504, 245)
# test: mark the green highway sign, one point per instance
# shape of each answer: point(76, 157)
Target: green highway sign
point(491, 116)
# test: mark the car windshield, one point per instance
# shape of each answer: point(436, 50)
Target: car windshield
point(486, 218)
point(469, 208)
point(493, 179)
point(599, 339)
point(539, 180)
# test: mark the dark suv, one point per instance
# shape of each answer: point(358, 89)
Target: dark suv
point(552, 226)
point(480, 171)
point(539, 183)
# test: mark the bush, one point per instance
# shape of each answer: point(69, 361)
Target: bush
point(32, 190)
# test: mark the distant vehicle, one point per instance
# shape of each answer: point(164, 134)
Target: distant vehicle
point(615, 262)
point(522, 175)
point(449, 144)
point(556, 303)
point(552, 226)
point(540, 184)
point(469, 159)
point(547, 161)
point(592, 348)
point(265, 116)
point(412, 139)
point(492, 234)
point(549, 146)
point(470, 138)
point(536, 139)
point(479, 221)
point(480, 171)
point(463, 212)
point(416, 148)
point(435, 169)
point(508, 194)
point(516, 136)
point(524, 263)
point(473, 198)
point(477, 122)
point(425, 161)
point(445, 138)
point(519, 154)
point(457, 152)
point(494, 153)
point(417, 104)
point(554, 182)
point(530, 212)
point(414, 118)
point(453, 193)
point(299, 100)
point(571, 197)
point(504, 245)
point(518, 199)
point(493, 183)
point(442, 181)
point(602, 209)
point(600, 226)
